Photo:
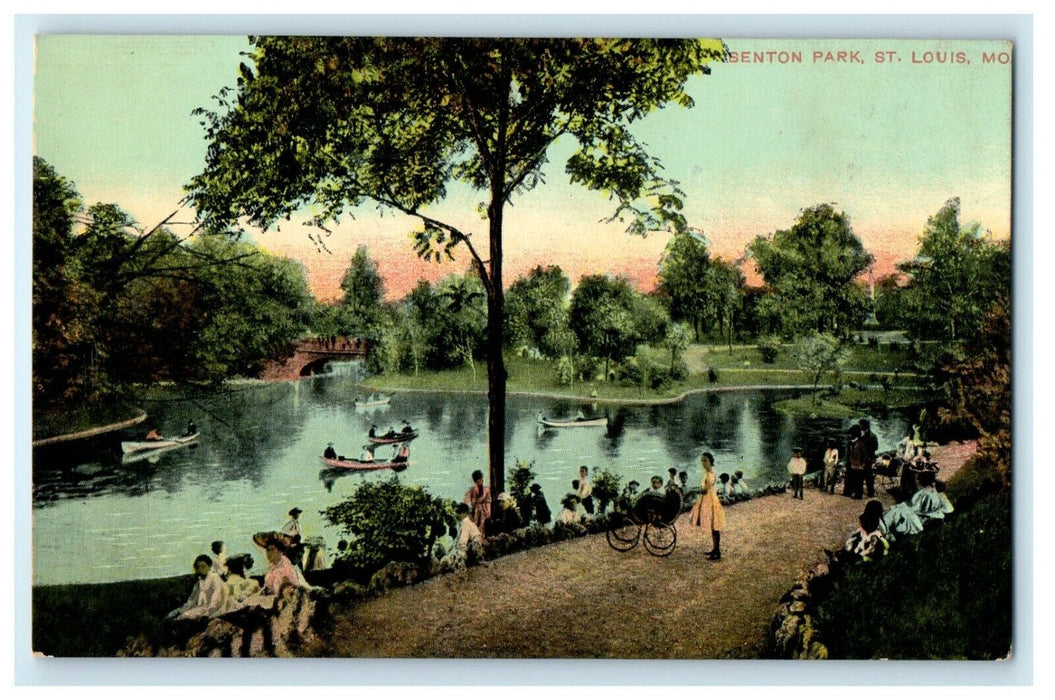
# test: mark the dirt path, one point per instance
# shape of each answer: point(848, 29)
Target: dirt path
point(582, 599)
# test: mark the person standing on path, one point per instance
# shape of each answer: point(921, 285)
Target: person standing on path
point(478, 498)
point(797, 470)
point(831, 466)
point(854, 464)
point(869, 447)
point(708, 512)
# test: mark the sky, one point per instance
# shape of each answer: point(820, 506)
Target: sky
point(789, 124)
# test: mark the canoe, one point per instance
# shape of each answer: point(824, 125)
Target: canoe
point(385, 440)
point(359, 465)
point(587, 423)
point(143, 445)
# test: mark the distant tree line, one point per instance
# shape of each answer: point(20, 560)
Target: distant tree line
point(114, 305)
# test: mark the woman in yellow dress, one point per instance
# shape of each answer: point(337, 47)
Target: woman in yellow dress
point(708, 512)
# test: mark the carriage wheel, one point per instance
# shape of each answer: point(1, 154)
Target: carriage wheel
point(623, 532)
point(660, 538)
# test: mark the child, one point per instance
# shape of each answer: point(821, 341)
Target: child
point(570, 514)
point(723, 490)
point(831, 466)
point(797, 470)
point(739, 487)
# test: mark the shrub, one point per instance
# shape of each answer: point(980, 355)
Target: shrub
point(565, 371)
point(520, 478)
point(941, 612)
point(769, 347)
point(605, 487)
point(712, 375)
point(873, 343)
point(389, 522)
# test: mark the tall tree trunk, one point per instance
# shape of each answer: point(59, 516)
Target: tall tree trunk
point(496, 370)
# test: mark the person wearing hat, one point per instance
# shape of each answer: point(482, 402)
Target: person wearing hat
point(281, 572)
point(797, 470)
point(330, 453)
point(539, 508)
point(506, 518)
point(292, 528)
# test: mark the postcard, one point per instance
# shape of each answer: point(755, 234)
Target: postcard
point(521, 348)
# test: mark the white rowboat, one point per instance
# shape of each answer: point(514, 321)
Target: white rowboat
point(143, 445)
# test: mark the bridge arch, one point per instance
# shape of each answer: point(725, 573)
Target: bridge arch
point(309, 356)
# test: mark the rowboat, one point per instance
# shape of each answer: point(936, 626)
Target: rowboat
point(362, 466)
point(583, 423)
point(392, 440)
point(143, 445)
point(372, 403)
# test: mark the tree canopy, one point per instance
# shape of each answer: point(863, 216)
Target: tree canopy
point(332, 122)
point(955, 277)
point(811, 269)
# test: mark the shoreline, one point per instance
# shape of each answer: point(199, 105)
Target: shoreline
point(92, 432)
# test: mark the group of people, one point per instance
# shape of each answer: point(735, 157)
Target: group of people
point(223, 585)
point(878, 528)
point(859, 475)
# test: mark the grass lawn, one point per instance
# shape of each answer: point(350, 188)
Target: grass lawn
point(539, 376)
point(861, 359)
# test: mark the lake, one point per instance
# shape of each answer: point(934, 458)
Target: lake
point(96, 519)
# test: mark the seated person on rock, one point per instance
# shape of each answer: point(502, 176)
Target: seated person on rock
point(238, 586)
point(571, 513)
point(209, 596)
point(867, 542)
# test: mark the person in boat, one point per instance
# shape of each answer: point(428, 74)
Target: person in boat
point(406, 428)
point(329, 452)
point(580, 416)
point(403, 453)
point(478, 498)
point(209, 596)
point(367, 454)
point(373, 431)
point(153, 435)
point(192, 428)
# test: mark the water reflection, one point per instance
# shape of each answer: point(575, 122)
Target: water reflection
point(259, 456)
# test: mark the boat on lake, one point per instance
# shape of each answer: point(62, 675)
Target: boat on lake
point(134, 446)
point(372, 401)
point(574, 423)
point(392, 438)
point(363, 465)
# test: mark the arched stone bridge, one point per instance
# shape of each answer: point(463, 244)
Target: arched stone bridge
point(310, 355)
